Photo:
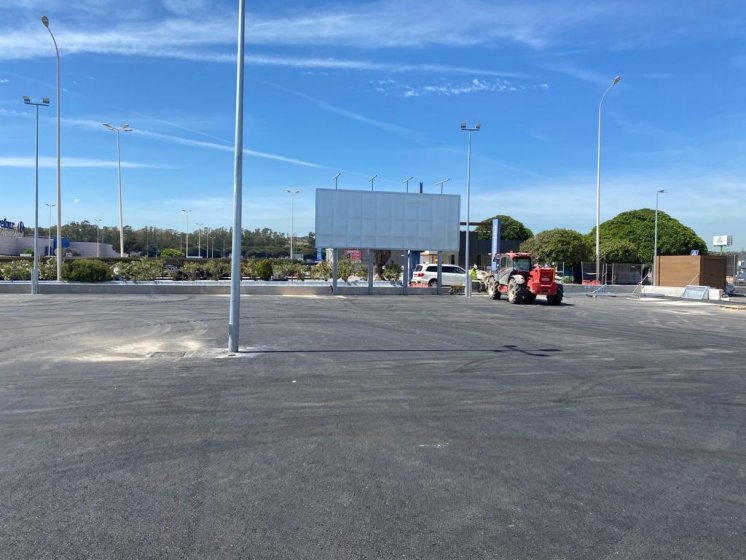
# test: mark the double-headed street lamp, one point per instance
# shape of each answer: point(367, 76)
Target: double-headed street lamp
point(35, 272)
point(655, 238)
point(467, 280)
point(292, 194)
point(45, 22)
point(614, 82)
point(123, 128)
point(186, 247)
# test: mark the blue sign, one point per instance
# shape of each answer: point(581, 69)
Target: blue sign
point(495, 243)
point(318, 254)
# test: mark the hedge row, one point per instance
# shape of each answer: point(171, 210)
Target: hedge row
point(143, 270)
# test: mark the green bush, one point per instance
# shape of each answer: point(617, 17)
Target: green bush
point(391, 271)
point(16, 270)
point(86, 270)
point(48, 269)
point(248, 268)
point(264, 270)
point(218, 268)
point(171, 253)
point(143, 270)
point(321, 271)
point(344, 269)
point(193, 270)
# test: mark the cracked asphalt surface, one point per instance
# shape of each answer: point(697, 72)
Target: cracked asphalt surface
point(371, 427)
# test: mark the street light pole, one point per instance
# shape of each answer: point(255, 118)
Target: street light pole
point(292, 194)
point(186, 246)
point(467, 280)
point(49, 231)
point(234, 317)
point(98, 244)
point(614, 82)
point(371, 181)
point(124, 128)
point(406, 182)
point(45, 22)
point(441, 184)
point(655, 239)
point(35, 271)
point(336, 178)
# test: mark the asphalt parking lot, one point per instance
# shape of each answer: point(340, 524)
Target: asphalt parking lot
point(371, 427)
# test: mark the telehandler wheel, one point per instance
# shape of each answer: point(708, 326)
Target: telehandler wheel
point(513, 294)
point(529, 298)
point(557, 298)
point(492, 290)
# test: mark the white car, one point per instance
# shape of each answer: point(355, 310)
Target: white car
point(427, 274)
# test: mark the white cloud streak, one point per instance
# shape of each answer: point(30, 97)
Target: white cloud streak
point(201, 30)
point(51, 162)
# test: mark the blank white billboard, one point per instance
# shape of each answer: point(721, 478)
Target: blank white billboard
point(387, 220)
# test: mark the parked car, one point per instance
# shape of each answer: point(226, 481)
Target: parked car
point(427, 274)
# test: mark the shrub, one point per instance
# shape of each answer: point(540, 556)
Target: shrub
point(264, 270)
point(16, 270)
point(344, 269)
point(48, 269)
point(248, 268)
point(86, 270)
point(217, 268)
point(142, 270)
point(193, 270)
point(321, 271)
point(171, 253)
point(391, 271)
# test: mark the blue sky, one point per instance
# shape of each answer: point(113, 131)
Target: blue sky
point(367, 88)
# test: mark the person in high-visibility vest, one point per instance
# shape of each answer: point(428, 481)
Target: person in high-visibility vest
point(473, 272)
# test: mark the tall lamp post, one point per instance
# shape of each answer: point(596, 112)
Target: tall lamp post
point(49, 231)
point(406, 182)
point(45, 22)
point(371, 181)
point(292, 194)
point(98, 244)
point(336, 179)
point(655, 238)
point(614, 82)
point(234, 316)
point(186, 246)
point(123, 128)
point(35, 272)
point(441, 184)
point(467, 280)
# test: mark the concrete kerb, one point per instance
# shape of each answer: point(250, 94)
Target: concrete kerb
point(208, 287)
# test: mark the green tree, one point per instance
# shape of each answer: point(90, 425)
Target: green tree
point(510, 229)
point(618, 251)
point(557, 245)
point(637, 227)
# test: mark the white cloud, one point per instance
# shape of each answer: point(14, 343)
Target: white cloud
point(198, 29)
point(51, 162)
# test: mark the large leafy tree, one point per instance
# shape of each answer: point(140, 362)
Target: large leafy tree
point(637, 227)
point(510, 229)
point(558, 245)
